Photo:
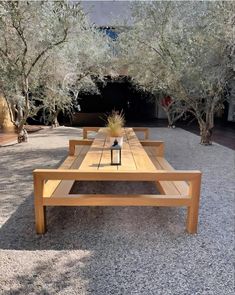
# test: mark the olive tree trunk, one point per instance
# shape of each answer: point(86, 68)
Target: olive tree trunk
point(54, 122)
point(206, 127)
point(22, 134)
point(170, 120)
point(206, 134)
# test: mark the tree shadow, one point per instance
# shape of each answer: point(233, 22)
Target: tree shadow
point(115, 250)
point(81, 227)
point(90, 249)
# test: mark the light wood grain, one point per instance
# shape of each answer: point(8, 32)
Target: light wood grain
point(89, 160)
point(76, 145)
point(77, 174)
point(117, 200)
point(140, 156)
point(86, 130)
point(142, 130)
point(193, 209)
point(153, 147)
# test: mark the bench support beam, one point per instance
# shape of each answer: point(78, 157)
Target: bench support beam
point(192, 213)
point(40, 210)
point(88, 129)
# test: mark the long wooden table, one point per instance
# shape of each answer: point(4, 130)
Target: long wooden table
point(90, 161)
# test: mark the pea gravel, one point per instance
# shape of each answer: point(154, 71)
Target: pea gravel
point(116, 250)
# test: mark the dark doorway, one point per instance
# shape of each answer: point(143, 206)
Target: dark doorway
point(115, 94)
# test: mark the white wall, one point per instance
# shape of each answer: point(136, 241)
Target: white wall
point(105, 13)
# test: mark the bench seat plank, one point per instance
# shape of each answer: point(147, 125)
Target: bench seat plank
point(182, 186)
point(64, 186)
point(51, 185)
point(117, 200)
point(167, 187)
point(139, 155)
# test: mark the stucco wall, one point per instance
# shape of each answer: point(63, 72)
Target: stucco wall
point(5, 121)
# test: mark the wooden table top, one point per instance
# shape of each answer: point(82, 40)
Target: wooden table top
point(134, 157)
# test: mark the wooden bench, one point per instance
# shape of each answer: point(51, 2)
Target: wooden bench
point(45, 189)
point(177, 188)
point(155, 151)
point(143, 130)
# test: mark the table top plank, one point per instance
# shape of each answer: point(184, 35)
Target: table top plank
point(92, 159)
point(134, 157)
point(140, 156)
point(128, 162)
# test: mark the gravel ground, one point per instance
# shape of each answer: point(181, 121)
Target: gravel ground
point(114, 250)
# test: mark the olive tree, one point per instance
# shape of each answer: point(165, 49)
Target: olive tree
point(29, 32)
point(174, 108)
point(181, 48)
point(75, 66)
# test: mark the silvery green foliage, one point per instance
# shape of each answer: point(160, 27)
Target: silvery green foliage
point(176, 40)
point(87, 56)
point(30, 31)
point(42, 43)
point(181, 48)
point(74, 67)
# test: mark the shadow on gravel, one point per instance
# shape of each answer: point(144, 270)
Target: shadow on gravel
point(89, 227)
point(119, 250)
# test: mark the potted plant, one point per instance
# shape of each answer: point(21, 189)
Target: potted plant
point(115, 123)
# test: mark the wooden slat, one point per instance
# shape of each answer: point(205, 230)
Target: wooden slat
point(88, 129)
point(93, 158)
point(128, 162)
point(174, 187)
point(153, 147)
point(117, 200)
point(64, 186)
point(164, 187)
point(99, 155)
point(140, 156)
point(75, 145)
point(155, 143)
point(151, 151)
point(181, 186)
point(51, 185)
point(145, 130)
point(75, 174)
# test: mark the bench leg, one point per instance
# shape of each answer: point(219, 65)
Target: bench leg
point(84, 134)
point(40, 219)
point(146, 135)
point(193, 209)
point(40, 210)
point(192, 219)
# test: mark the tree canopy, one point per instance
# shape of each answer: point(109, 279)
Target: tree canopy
point(45, 42)
point(183, 49)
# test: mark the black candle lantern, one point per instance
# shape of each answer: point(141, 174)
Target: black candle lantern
point(115, 153)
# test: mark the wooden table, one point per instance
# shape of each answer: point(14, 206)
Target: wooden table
point(134, 157)
point(92, 162)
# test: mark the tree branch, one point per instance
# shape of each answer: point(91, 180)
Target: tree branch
point(43, 52)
